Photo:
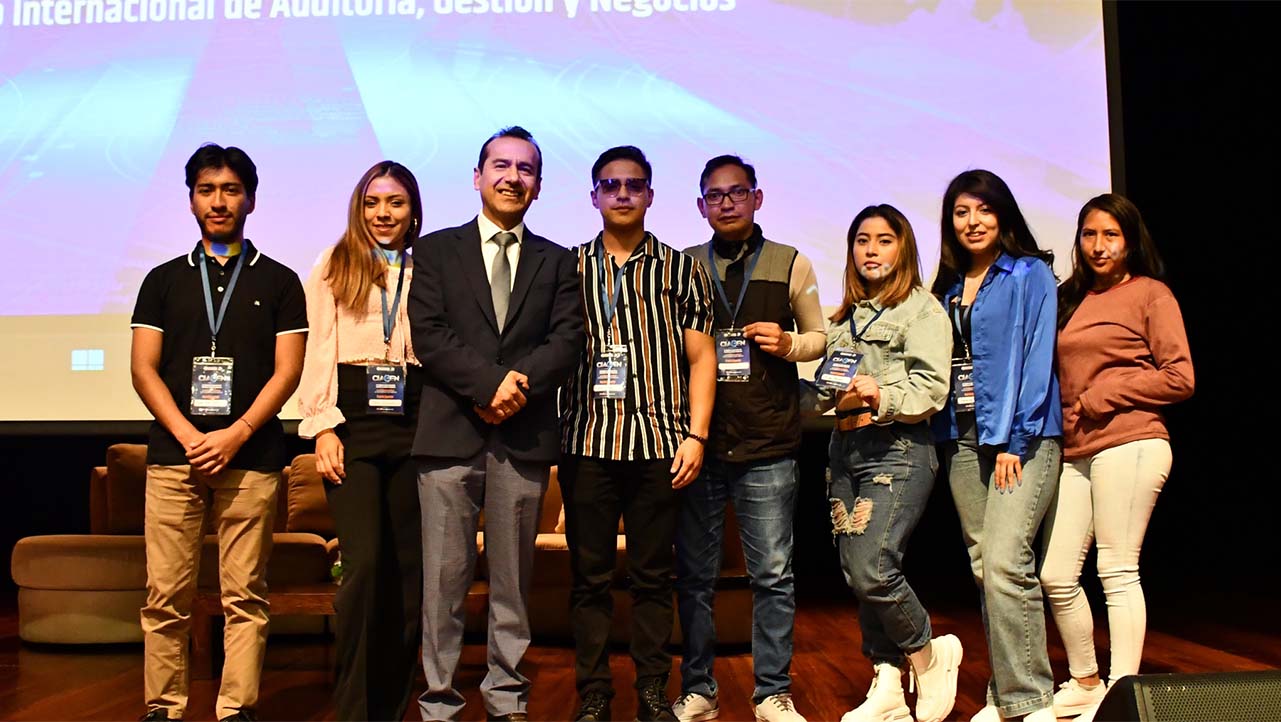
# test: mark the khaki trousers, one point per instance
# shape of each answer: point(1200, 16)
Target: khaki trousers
point(242, 506)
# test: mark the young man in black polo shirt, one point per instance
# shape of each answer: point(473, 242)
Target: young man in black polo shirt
point(767, 318)
point(218, 338)
point(634, 424)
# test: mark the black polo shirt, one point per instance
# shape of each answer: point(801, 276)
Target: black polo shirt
point(267, 302)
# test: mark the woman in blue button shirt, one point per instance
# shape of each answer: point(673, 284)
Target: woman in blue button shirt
point(1001, 430)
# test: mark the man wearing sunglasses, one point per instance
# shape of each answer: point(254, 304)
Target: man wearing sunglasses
point(767, 318)
point(634, 423)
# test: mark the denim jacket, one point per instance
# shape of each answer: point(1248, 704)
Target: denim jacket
point(1013, 334)
point(908, 350)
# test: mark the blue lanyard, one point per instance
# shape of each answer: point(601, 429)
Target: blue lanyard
point(389, 319)
point(607, 305)
point(854, 332)
point(742, 291)
point(215, 323)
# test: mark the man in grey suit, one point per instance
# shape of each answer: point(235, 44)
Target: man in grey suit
point(497, 323)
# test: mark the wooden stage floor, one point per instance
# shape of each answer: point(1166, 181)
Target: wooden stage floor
point(829, 674)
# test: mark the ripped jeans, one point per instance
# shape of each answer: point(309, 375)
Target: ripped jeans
point(879, 482)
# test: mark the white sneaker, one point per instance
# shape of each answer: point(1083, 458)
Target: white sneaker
point(1088, 715)
point(1073, 698)
point(936, 684)
point(777, 708)
point(1045, 714)
point(692, 707)
point(990, 713)
point(885, 702)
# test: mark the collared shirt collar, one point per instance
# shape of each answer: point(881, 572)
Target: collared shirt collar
point(489, 229)
point(739, 249)
point(648, 245)
point(1004, 262)
point(869, 303)
point(246, 246)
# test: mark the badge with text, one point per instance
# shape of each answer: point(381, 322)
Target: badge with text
point(733, 357)
point(386, 386)
point(963, 384)
point(609, 373)
point(838, 370)
point(211, 385)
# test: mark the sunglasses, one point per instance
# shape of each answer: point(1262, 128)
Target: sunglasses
point(612, 186)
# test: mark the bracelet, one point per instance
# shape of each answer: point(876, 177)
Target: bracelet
point(700, 439)
point(252, 430)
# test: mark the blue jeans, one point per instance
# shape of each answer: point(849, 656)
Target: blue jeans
point(879, 483)
point(1004, 563)
point(764, 496)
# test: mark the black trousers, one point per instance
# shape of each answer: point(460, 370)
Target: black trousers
point(379, 527)
point(596, 493)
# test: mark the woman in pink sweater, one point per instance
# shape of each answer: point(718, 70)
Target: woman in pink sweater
point(359, 400)
point(1122, 355)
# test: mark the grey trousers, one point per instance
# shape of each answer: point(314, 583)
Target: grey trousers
point(452, 493)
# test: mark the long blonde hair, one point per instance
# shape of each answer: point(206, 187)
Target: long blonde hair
point(905, 275)
point(354, 269)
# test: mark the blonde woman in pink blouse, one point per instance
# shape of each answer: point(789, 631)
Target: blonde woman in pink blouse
point(359, 401)
point(1122, 356)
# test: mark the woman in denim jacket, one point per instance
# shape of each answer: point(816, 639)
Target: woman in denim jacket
point(883, 460)
point(1002, 425)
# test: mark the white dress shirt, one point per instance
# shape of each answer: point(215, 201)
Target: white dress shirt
point(489, 249)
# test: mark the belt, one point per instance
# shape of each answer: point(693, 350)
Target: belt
point(854, 419)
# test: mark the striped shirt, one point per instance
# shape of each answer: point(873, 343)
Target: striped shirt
point(664, 292)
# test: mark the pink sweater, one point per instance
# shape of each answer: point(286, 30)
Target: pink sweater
point(336, 335)
point(1122, 356)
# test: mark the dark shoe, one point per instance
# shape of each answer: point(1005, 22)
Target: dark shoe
point(157, 715)
point(510, 717)
point(652, 704)
point(593, 708)
point(244, 715)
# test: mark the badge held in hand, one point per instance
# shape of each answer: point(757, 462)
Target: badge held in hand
point(838, 370)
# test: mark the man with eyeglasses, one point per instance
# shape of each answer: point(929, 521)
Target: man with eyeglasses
point(634, 423)
point(767, 318)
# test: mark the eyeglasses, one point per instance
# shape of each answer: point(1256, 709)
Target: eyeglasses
point(737, 194)
point(611, 186)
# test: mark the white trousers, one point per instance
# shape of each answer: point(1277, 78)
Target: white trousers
point(1107, 497)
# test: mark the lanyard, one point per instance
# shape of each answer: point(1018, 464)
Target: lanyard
point(608, 305)
point(742, 291)
point(389, 319)
point(961, 322)
point(856, 334)
point(215, 323)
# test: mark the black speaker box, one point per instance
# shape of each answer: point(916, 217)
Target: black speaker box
point(1218, 697)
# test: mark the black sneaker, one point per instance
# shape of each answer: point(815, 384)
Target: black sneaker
point(157, 714)
point(594, 707)
point(652, 704)
point(243, 715)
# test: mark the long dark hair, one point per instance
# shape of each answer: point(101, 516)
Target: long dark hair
point(1141, 257)
point(1014, 238)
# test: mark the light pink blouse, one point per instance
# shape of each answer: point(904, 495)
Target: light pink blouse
point(337, 335)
